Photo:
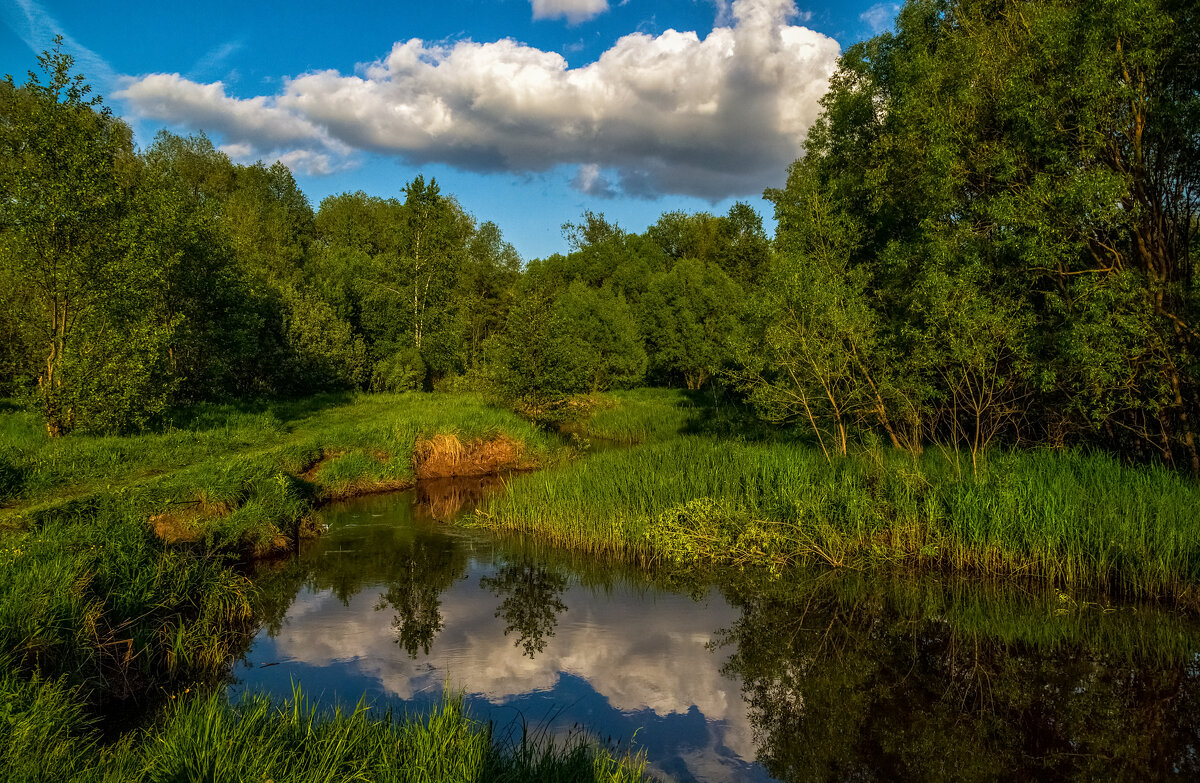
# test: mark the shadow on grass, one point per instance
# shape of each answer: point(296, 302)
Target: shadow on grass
point(211, 415)
point(719, 412)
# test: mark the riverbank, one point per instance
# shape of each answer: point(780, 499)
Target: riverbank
point(241, 477)
point(116, 549)
point(1066, 518)
point(118, 584)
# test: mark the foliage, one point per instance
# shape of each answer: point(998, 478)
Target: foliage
point(990, 234)
point(690, 319)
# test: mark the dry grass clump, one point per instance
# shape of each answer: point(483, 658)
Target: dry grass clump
point(444, 456)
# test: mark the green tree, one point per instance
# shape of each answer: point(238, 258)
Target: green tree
point(65, 181)
point(691, 319)
point(1020, 177)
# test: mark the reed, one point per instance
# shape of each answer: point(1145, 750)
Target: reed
point(1069, 518)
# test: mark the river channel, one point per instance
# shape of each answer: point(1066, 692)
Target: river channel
point(815, 675)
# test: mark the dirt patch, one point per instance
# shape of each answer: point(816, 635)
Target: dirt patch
point(181, 525)
point(445, 456)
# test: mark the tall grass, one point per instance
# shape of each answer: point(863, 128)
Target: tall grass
point(640, 415)
point(1073, 519)
point(110, 608)
point(207, 739)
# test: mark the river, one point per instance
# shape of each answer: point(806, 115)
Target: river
point(815, 675)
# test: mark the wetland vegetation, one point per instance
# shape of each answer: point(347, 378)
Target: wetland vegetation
point(934, 442)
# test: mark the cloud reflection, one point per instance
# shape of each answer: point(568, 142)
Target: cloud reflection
point(644, 657)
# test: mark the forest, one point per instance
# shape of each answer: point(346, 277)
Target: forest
point(989, 239)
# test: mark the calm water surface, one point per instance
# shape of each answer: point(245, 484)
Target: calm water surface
point(817, 676)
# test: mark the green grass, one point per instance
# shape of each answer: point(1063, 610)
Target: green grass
point(240, 476)
point(1067, 518)
point(46, 737)
point(115, 561)
point(109, 607)
point(636, 416)
point(640, 416)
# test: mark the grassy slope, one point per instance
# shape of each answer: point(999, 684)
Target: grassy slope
point(238, 476)
point(1073, 519)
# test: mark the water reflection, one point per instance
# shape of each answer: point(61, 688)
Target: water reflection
point(392, 606)
point(532, 601)
point(820, 676)
point(909, 682)
point(444, 499)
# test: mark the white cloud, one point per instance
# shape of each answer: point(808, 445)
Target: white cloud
point(879, 16)
point(574, 11)
point(714, 117)
point(590, 181)
point(253, 128)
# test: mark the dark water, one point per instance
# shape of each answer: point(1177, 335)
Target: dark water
point(816, 676)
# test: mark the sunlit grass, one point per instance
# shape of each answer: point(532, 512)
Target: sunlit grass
point(243, 476)
point(640, 415)
point(1068, 518)
point(205, 738)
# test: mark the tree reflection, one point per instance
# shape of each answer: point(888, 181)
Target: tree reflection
point(532, 600)
point(415, 583)
point(867, 688)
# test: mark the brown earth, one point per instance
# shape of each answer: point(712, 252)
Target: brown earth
point(444, 456)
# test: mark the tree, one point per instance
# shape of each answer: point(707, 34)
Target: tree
point(556, 345)
point(691, 319)
point(1021, 181)
point(65, 179)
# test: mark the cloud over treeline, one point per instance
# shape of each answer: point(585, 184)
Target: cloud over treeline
point(674, 113)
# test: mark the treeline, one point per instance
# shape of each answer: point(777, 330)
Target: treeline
point(134, 281)
point(988, 239)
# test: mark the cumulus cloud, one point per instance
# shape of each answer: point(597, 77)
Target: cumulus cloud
point(574, 11)
point(712, 117)
point(252, 128)
point(879, 16)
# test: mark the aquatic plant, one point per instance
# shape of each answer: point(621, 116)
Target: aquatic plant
point(1070, 518)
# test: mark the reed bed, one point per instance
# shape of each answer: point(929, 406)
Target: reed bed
point(1068, 518)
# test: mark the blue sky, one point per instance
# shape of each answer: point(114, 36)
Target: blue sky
point(528, 111)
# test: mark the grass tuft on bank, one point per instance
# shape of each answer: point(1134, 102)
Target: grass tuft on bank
point(205, 738)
